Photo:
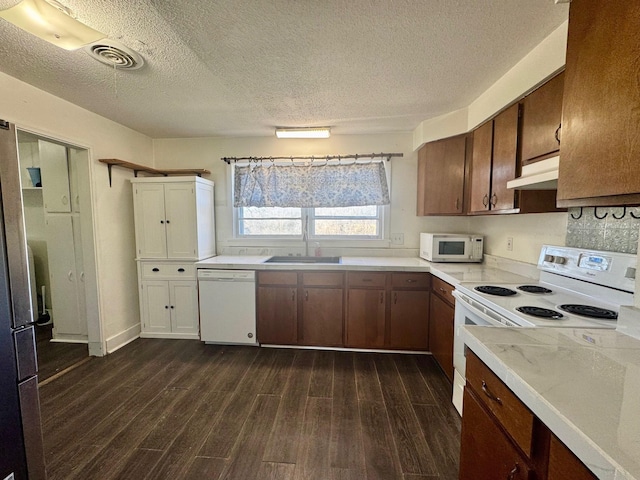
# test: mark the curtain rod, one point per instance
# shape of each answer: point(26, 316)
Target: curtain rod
point(357, 156)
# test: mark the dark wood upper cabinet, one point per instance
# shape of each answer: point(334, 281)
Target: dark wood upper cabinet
point(505, 157)
point(541, 121)
point(441, 177)
point(601, 118)
point(480, 184)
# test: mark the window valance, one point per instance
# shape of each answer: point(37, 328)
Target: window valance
point(309, 185)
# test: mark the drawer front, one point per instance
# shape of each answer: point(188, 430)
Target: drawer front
point(168, 271)
point(366, 279)
point(277, 278)
point(411, 280)
point(514, 416)
point(323, 279)
point(443, 289)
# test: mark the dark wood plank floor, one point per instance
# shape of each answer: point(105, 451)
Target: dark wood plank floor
point(53, 357)
point(166, 409)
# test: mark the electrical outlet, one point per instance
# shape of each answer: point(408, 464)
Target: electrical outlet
point(397, 238)
point(510, 244)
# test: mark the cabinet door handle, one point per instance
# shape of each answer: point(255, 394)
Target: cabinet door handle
point(395, 297)
point(557, 134)
point(64, 200)
point(494, 200)
point(156, 269)
point(442, 289)
point(306, 295)
point(485, 200)
point(181, 270)
point(70, 276)
point(367, 280)
point(381, 297)
point(411, 280)
point(486, 391)
point(293, 295)
point(513, 473)
point(457, 203)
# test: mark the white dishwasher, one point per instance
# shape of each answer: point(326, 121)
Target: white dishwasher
point(227, 306)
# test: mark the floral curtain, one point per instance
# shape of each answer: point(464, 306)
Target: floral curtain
point(307, 186)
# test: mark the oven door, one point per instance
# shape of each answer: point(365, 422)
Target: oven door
point(469, 312)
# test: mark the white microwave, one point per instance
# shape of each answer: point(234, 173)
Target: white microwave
point(451, 247)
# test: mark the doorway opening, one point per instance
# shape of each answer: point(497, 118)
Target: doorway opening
point(56, 193)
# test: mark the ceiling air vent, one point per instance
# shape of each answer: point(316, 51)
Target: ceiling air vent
point(115, 54)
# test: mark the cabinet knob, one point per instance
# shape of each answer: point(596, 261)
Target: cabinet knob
point(250, 335)
point(514, 472)
point(162, 221)
point(172, 306)
point(166, 307)
point(155, 269)
point(181, 270)
point(168, 222)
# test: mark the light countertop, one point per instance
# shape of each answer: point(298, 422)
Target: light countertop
point(453, 273)
point(583, 384)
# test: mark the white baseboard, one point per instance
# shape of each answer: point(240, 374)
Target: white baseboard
point(121, 339)
point(176, 336)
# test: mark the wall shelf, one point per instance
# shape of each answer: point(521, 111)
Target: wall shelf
point(113, 162)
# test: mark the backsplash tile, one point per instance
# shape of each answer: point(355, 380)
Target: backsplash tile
point(618, 231)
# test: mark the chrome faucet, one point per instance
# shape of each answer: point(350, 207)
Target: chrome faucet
point(305, 236)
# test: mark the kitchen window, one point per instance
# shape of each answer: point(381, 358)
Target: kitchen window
point(361, 222)
point(324, 202)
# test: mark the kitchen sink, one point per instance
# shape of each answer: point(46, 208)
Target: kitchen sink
point(292, 259)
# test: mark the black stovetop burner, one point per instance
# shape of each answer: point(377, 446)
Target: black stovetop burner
point(589, 311)
point(540, 312)
point(534, 289)
point(494, 290)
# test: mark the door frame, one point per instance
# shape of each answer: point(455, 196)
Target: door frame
point(83, 154)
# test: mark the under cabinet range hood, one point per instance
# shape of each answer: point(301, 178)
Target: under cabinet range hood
point(542, 175)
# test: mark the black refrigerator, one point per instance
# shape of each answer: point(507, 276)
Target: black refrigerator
point(21, 447)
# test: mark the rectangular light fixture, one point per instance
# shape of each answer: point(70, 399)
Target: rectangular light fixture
point(311, 132)
point(51, 22)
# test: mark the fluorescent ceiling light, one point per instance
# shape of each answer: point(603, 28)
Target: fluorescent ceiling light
point(312, 132)
point(51, 22)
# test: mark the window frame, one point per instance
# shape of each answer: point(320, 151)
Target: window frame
point(383, 218)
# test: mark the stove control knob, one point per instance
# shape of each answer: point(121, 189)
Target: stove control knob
point(560, 260)
point(549, 258)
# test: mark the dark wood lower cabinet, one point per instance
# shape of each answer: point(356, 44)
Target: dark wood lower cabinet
point(366, 318)
point(441, 333)
point(322, 317)
point(487, 453)
point(409, 319)
point(277, 321)
point(502, 438)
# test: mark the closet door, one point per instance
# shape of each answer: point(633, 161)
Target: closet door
point(54, 171)
point(63, 277)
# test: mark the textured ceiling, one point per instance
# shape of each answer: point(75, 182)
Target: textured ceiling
point(242, 67)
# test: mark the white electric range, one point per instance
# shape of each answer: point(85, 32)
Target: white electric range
point(578, 288)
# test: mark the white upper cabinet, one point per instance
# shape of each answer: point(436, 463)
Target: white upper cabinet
point(55, 177)
point(174, 218)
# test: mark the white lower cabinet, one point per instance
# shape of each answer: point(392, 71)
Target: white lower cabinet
point(168, 300)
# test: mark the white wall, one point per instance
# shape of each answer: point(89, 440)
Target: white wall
point(206, 153)
point(34, 110)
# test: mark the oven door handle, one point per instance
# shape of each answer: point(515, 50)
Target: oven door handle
point(491, 321)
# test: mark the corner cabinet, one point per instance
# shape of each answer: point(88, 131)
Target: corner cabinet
point(174, 217)
point(600, 120)
point(174, 225)
point(441, 176)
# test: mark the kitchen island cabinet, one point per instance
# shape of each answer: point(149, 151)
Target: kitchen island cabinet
point(441, 176)
point(600, 124)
